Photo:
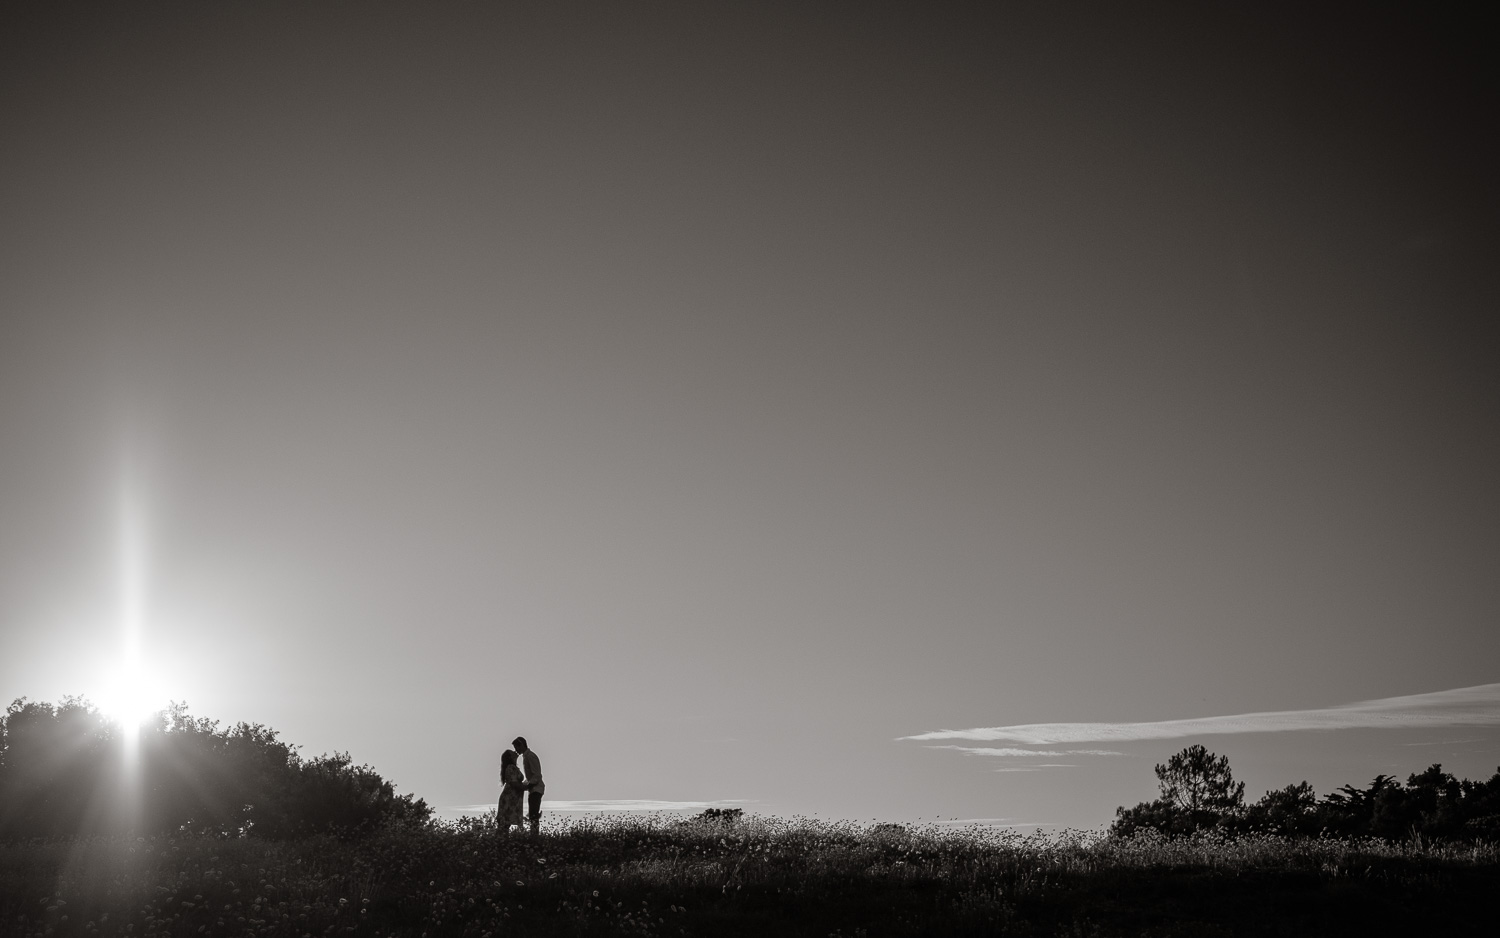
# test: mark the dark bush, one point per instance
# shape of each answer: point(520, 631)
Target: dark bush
point(725, 816)
point(67, 770)
point(1289, 810)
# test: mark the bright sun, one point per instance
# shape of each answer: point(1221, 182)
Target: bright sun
point(131, 698)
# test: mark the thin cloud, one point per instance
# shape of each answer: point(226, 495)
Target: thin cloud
point(1463, 706)
point(1037, 767)
point(990, 751)
point(1447, 742)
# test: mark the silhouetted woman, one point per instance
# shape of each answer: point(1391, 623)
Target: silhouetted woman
point(511, 794)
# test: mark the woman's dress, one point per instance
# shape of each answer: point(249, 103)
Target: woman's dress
point(511, 797)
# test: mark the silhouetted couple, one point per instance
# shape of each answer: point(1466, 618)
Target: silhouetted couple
point(515, 785)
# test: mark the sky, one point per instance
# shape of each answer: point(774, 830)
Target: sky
point(883, 411)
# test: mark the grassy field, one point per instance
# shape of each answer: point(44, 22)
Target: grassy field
point(761, 876)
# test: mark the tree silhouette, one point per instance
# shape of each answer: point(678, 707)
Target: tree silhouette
point(56, 766)
point(64, 770)
point(1198, 790)
point(1196, 780)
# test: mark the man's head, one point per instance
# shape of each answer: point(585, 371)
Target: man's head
point(519, 744)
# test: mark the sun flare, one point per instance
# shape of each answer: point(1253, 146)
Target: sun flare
point(131, 698)
point(131, 695)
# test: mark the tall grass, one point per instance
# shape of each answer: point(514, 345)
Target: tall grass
point(649, 875)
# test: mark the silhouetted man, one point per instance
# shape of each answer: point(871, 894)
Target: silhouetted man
point(534, 784)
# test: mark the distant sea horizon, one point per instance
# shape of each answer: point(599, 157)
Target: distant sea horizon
point(622, 806)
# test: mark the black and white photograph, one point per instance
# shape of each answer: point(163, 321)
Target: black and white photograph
point(822, 468)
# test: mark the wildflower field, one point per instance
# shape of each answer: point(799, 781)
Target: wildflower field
point(662, 876)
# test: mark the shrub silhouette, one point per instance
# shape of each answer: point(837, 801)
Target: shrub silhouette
point(1289, 810)
point(728, 817)
point(65, 769)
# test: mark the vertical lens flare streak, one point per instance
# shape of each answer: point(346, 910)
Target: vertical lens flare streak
point(132, 602)
point(131, 702)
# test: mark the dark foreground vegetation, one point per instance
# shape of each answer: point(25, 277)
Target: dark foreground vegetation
point(193, 829)
point(758, 876)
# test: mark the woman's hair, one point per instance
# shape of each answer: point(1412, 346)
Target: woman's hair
point(508, 757)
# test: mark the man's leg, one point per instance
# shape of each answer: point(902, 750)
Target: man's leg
point(535, 798)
